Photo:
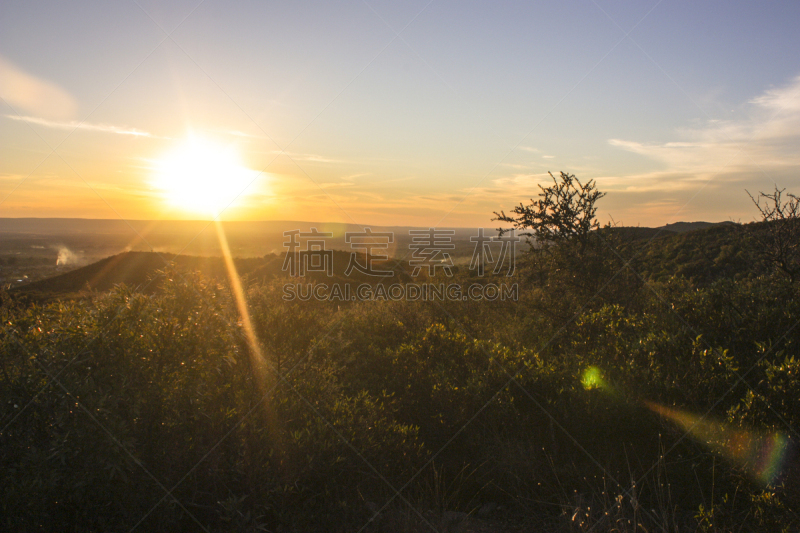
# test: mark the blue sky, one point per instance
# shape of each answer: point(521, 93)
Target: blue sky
point(423, 113)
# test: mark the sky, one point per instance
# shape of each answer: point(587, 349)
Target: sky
point(426, 113)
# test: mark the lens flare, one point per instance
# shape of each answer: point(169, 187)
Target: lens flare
point(761, 454)
point(593, 379)
point(259, 364)
point(264, 379)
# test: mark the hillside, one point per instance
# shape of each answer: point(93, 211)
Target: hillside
point(136, 269)
point(683, 227)
point(701, 255)
point(607, 386)
point(89, 240)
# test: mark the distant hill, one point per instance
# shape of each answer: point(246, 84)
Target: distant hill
point(632, 233)
point(643, 232)
point(703, 255)
point(134, 269)
point(88, 240)
point(137, 269)
point(700, 251)
point(683, 227)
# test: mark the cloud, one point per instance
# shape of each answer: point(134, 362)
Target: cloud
point(314, 158)
point(703, 171)
point(515, 166)
point(346, 181)
point(520, 182)
point(764, 142)
point(781, 99)
point(661, 181)
point(237, 133)
point(351, 177)
point(335, 185)
point(73, 124)
point(34, 95)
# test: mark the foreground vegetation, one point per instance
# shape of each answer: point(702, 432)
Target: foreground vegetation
point(151, 411)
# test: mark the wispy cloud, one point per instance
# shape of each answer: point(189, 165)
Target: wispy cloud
point(336, 185)
point(520, 182)
point(86, 126)
point(314, 158)
point(237, 133)
point(515, 166)
point(32, 94)
point(351, 177)
point(345, 181)
point(781, 98)
point(764, 142)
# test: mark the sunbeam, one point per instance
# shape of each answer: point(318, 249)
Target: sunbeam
point(761, 454)
point(258, 363)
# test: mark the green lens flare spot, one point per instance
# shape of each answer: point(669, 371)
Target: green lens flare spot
point(592, 378)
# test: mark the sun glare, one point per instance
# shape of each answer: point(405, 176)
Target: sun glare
point(203, 177)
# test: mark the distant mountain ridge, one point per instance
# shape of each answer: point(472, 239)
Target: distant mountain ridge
point(703, 251)
point(134, 269)
point(65, 226)
point(682, 227)
point(94, 239)
point(139, 269)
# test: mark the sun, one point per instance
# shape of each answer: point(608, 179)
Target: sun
point(203, 177)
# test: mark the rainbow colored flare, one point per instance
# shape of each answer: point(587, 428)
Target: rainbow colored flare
point(761, 454)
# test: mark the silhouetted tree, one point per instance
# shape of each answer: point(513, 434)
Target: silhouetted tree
point(570, 262)
point(564, 211)
point(779, 242)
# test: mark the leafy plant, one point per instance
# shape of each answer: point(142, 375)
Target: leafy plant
point(564, 211)
point(779, 243)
